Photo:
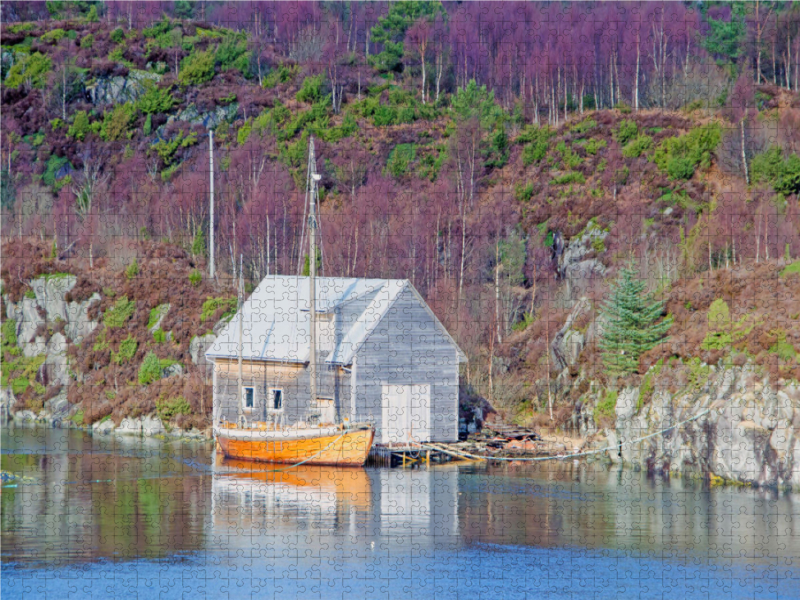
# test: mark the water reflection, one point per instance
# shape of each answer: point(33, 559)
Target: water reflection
point(111, 497)
point(550, 528)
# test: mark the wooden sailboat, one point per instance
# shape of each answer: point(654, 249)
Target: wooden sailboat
point(341, 444)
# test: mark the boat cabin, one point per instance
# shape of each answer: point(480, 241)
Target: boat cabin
point(382, 357)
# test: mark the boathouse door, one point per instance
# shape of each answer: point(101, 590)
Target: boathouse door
point(406, 412)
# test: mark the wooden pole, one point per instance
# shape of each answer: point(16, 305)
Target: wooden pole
point(211, 201)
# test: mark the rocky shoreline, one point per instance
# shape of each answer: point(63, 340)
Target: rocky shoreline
point(149, 426)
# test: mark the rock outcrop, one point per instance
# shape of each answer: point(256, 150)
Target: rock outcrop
point(118, 90)
point(578, 264)
point(729, 424)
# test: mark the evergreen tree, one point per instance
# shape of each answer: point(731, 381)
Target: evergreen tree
point(632, 324)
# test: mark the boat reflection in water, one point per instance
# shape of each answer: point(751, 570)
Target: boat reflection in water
point(308, 508)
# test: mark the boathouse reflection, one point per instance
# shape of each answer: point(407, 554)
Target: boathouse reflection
point(379, 508)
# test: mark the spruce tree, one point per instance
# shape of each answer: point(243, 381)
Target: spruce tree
point(632, 324)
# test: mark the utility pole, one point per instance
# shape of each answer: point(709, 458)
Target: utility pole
point(211, 200)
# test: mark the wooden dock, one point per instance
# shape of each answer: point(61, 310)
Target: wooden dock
point(399, 455)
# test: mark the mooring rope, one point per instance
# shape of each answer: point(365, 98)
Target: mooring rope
point(574, 455)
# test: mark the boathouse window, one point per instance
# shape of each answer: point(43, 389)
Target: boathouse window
point(248, 397)
point(276, 399)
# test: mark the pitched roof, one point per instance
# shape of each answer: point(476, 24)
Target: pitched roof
point(275, 318)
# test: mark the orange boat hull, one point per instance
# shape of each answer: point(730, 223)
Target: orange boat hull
point(346, 449)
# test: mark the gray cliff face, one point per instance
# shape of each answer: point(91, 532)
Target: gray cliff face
point(48, 307)
point(748, 430)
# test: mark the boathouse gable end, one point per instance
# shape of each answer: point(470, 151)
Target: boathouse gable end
point(407, 375)
point(371, 334)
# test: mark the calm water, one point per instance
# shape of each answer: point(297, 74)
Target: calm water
point(115, 518)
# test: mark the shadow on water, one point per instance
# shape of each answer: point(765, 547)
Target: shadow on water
point(130, 510)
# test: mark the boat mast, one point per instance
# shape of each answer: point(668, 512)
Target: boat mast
point(312, 272)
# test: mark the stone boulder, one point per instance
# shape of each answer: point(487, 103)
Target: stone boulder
point(152, 425)
point(58, 409)
point(141, 426)
point(568, 343)
point(197, 349)
point(24, 416)
point(173, 370)
point(103, 427)
point(50, 292)
point(7, 403)
point(55, 364)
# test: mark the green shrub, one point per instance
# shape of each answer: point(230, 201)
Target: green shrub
point(155, 99)
point(156, 313)
point(80, 126)
point(534, 152)
point(680, 156)
point(311, 90)
point(570, 159)
point(118, 53)
point(782, 174)
point(19, 385)
point(211, 305)
point(117, 35)
point(116, 122)
point(127, 348)
point(569, 177)
point(9, 333)
point(172, 407)
point(77, 418)
point(101, 343)
point(53, 166)
point(132, 270)
point(626, 131)
point(637, 146)
point(119, 313)
point(400, 158)
point(150, 370)
point(166, 149)
point(197, 68)
point(195, 277)
point(523, 193)
point(698, 373)
point(283, 74)
point(593, 146)
point(87, 41)
point(32, 69)
point(384, 116)
point(232, 54)
point(53, 36)
point(584, 126)
point(719, 326)
point(606, 407)
point(159, 336)
point(792, 268)
point(781, 347)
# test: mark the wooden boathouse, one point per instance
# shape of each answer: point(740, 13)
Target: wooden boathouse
point(382, 357)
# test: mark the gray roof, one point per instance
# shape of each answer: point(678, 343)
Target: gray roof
point(276, 317)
